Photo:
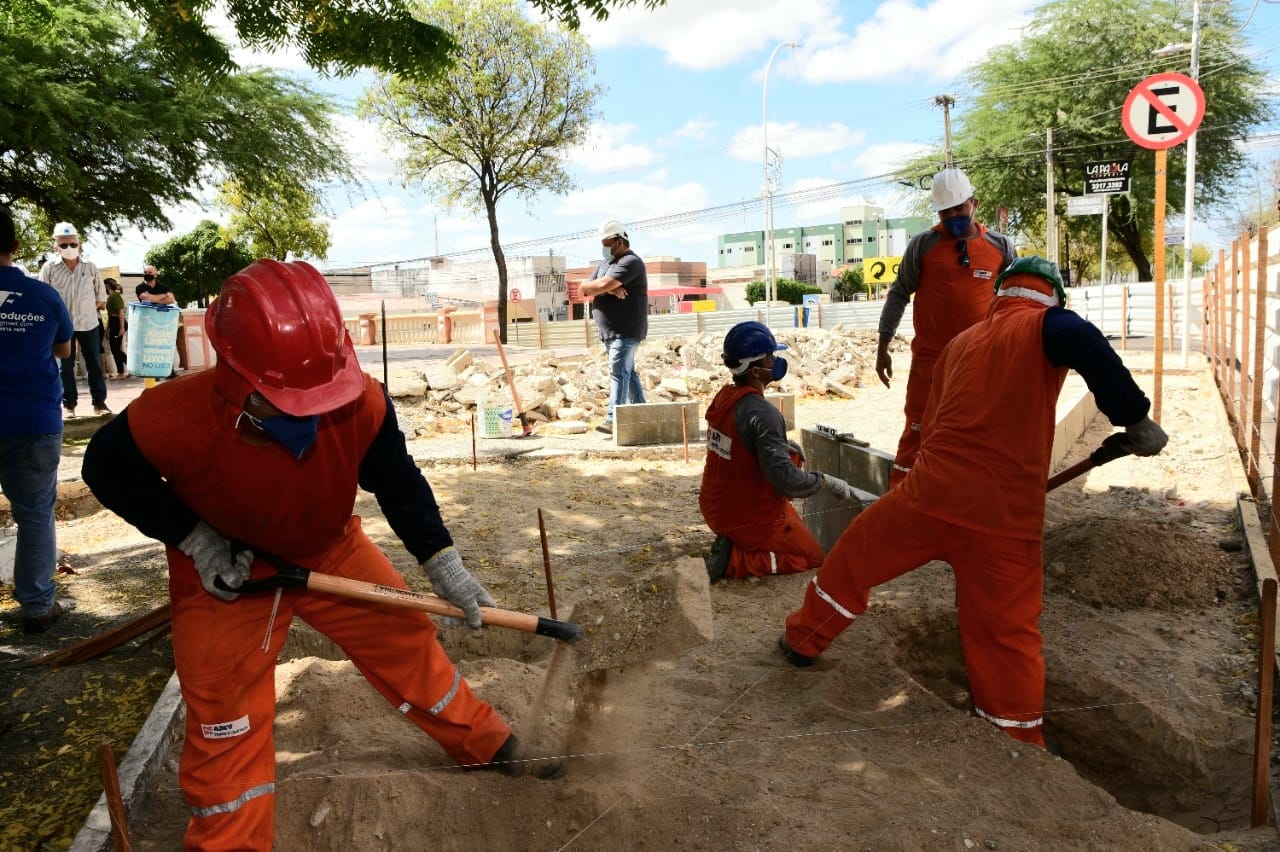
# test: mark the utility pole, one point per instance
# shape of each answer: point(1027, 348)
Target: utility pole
point(1190, 200)
point(946, 102)
point(1050, 215)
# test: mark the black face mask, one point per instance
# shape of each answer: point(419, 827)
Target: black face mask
point(148, 278)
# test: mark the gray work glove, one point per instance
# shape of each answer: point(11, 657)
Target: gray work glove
point(452, 582)
point(1146, 438)
point(795, 449)
point(212, 555)
point(838, 487)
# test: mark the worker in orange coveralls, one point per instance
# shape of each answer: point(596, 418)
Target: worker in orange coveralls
point(976, 494)
point(752, 469)
point(950, 269)
point(267, 449)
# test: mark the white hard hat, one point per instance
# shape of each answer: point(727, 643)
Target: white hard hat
point(612, 228)
point(64, 229)
point(950, 187)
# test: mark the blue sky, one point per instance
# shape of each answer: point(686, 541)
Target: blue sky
point(681, 122)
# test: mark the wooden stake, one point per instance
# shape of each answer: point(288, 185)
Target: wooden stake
point(115, 802)
point(546, 565)
point(1262, 727)
point(473, 440)
point(1162, 158)
point(103, 642)
point(1124, 317)
point(684, 429)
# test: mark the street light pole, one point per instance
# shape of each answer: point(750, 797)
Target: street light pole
point(769, 283)
point(1050, 214)
point(1190, 201)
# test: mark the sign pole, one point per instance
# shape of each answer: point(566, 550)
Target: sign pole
point(1102, 291)
point(1162, 157)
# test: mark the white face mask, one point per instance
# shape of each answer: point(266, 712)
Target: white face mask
point(69, 253)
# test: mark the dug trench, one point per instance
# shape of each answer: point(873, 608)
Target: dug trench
point(1149, 641)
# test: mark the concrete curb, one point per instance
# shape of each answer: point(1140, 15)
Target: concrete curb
point(138, 771)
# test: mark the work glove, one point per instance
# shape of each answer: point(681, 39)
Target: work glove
point(838, 487)
point(1146, 438)
point(213, 558)
point(796, 450)
point(452, 582)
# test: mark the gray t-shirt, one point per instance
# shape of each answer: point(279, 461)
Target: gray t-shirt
point(627, 317)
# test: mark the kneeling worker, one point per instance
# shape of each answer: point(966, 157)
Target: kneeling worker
point(750, 472)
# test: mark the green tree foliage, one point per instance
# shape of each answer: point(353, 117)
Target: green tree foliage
point(499, 121)
point(1082, 57)
point(788, 290)
point(849, 284)
point(278, 219)
point(96, 128)
point(335, 36)
point(195, 264)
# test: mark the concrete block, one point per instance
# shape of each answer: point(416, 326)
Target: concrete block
point(822, 452)
point(865, 468)
point(786, 403)
point(827, 516)
point(655, 423)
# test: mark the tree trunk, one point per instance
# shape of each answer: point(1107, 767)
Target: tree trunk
point(1125, 229)
point(491, 210)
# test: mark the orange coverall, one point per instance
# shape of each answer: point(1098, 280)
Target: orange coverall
point(225, 652)
point(949, 299)
point(974, 498)
point(738, 502)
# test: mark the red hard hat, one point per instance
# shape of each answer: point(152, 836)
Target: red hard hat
point(278, 326)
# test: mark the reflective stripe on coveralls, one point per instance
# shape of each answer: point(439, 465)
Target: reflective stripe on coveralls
point(228, 807)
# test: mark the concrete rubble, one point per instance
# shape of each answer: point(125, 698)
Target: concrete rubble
point(575, 389)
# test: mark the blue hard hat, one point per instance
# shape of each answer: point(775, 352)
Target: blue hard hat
point(748, 341)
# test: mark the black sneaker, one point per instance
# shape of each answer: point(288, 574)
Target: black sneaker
point(510, 760)
point(101, 409)
point(41, 623)
point(800, 661)
point(606, 427)
point(718, 561)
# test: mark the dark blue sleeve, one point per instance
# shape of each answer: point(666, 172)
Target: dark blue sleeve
point(390, 474)
point(122, 479)
point(1071, 341)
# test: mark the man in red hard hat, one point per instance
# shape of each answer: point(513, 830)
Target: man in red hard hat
point(976, 495)
point(267, 450)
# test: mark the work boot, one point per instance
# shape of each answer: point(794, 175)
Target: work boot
point(800, 661)
point(606, 427)
point(101, 409)
point(69, 410)
point(41, 623)
point(511, 761)
point(718, 561)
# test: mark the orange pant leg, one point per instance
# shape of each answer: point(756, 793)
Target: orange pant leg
point(919, 380)
point(227, 771)
point(888, 539)
point(786, 547)
point(397, 651)
point(999, 597)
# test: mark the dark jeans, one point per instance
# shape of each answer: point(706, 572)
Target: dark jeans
point(89, 341)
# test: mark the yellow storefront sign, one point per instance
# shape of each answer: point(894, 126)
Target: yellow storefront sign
point(701, 306)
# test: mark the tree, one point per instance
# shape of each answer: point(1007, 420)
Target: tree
point(849, 283)
point(96, 128)
point(498, 121)
point(1072, 71)
point(788, 290)
point(336, 36)
point(195, 264)
point(281, 219)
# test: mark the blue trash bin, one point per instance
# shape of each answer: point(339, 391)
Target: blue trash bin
point(153, 334)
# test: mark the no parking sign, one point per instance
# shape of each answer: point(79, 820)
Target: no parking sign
point(1163, 110)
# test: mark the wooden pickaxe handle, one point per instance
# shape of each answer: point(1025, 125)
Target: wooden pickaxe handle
point(511, 382)
point(1114, 446)
point(295, 576)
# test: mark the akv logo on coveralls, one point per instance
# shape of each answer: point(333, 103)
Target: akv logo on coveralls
point(222, 730)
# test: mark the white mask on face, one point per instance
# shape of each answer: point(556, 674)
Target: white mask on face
point(69, 253)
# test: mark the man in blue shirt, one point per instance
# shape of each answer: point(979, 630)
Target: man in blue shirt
point(35, 331)
point(620, 307)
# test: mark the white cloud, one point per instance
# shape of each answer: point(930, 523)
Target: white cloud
point(384, 229)
point(700, 35)
point(695, 130)
point(128, 251)
point(607, 149)
point(938, 39)
point(371, 156)
point(886, 157)
point(794, 140)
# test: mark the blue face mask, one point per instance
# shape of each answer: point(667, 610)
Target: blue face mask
point(779, 368)
point(957, 226)
point(295, 434)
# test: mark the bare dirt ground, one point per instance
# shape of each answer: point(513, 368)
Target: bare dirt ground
point(1150, 635)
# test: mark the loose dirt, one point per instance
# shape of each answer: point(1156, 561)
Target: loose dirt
point(1150, 636)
